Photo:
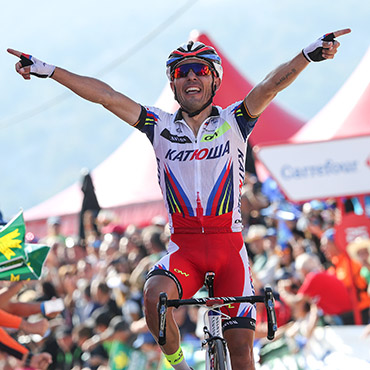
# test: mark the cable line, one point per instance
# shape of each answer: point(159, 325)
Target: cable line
point(18, 118)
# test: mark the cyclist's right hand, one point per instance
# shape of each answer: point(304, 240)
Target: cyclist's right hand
point(29, 65)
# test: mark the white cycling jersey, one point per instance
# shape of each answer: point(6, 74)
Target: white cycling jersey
point(200, 176)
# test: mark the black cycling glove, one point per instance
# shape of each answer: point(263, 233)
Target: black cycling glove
point(38, 68)
point(313, 52)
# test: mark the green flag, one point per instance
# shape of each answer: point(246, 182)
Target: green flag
point(18, 260)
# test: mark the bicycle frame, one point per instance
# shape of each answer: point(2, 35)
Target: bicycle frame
point(213, 304)
point(213, 332)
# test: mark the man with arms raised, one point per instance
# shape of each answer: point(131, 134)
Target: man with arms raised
point(200, 153)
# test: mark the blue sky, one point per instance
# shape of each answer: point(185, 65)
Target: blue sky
point(47, 135)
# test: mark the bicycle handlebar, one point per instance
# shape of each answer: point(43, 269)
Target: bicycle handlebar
point(267, 299)
point(271, 314)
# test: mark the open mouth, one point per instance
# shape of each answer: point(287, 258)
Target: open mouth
point(192, 90)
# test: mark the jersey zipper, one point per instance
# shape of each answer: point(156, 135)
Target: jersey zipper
point(197, 176)
point(198, 181)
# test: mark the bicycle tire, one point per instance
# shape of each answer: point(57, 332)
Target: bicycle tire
point(219, 355)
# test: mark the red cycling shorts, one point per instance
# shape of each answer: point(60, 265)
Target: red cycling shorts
point(190, 256)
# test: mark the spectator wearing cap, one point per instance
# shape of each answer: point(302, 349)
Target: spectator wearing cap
point(159, 221)
point(346, 270)
point(54, 235)
point(319, 287)
point(359, 250)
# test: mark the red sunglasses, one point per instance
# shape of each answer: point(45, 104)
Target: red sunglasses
point(198, 68)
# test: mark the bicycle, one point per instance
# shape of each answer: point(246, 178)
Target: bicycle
point(217, 353)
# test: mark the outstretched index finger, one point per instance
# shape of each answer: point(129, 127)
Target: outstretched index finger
point(342, 32)
point(14, 52)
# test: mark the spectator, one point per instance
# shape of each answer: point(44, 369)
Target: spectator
point(48, 291)
point(120, 339)
point(12, 315)
point(69, 353)
point(286, 263)
point(348, 271)
point(155, 248)
point(359, 250)
point(85, 306)
point(318, 287)
point(132, 249)
point(8, 320)
point(89, 210)
point(147, 354)
point(26, 358)
point(54, 236)
point(264, 258)
point(97, 356)
point(102, 294)
point(252, 200)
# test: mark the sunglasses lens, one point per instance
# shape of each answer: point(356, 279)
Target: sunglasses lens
point(198, 68)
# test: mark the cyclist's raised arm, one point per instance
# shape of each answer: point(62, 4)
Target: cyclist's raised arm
point(88, 88)
point(262, 94)
point(99, 92)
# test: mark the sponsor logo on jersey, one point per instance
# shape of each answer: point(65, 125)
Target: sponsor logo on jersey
point(219, 132)
point(181, 272)
point(198, 154)
point(175, 138)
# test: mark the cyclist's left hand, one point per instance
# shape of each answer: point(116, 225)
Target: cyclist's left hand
point(324, 47)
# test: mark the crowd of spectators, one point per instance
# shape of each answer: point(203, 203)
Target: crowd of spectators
point(100, 278)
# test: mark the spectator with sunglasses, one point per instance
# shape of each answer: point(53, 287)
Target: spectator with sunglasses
point(200, 152)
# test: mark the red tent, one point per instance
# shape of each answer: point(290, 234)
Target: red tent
point(126, 182)
point(275, 124)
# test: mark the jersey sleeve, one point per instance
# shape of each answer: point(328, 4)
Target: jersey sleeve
point(147, 122)
point(244, 119)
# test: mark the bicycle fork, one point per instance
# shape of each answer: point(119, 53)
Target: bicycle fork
point(213, 328)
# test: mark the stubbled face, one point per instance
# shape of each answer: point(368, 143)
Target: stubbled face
point(194, 91)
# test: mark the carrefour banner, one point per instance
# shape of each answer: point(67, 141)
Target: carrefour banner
point(19, 260)
point(319, 170)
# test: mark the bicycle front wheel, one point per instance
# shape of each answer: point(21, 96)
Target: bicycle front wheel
point(219, 355)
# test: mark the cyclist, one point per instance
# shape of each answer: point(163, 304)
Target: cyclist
point(200, 153)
